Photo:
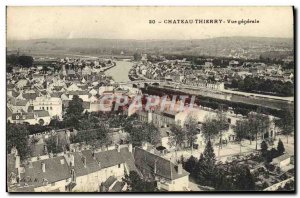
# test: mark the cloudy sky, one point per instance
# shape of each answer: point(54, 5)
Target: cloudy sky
point(133, 22)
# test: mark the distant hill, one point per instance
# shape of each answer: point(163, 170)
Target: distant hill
point(220, 46)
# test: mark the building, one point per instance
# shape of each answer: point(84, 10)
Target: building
point(159, 119)
point(282, 161)
point(47, 103)
point(84, 95)
point(40, 117)
point(19, 105)
point(48, 175)
point(91, 169)
point(78, 171)
point(169, 177)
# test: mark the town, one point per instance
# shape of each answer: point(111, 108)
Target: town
point(237, 134)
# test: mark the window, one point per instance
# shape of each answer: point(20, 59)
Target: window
point(119, 165)
point(229, 120)
point(47, 108)
point(53, 184)
point(73, 175)
point(50, 108)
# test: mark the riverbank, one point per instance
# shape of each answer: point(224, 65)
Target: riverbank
point(119, 72)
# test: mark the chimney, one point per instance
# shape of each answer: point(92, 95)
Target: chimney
point(119, 148)
point(130, 148)
point(179, 169)
point(93, 155)
point(84, 161)
point(43, 167)
point(45, 149)
point(30, 164)
point(155, 167)
point(70, 159)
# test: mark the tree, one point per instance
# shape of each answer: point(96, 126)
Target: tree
point(258, 123)
point(190, 165)
point(137, 56)
point(241, 130)
point(233, 176)
point(213, 127)
point(286, 123)
point(25, 61)
point(264, 148)
point(75, 107)
point(17, 136)
point(244, 179)
point(54, 145)
point(133, 181)
point(191, 130)
point(209, 128)
point(272, 154)
point(222, 125)
point(143, 133)
point(136, 135)
point(205, 170)
point(96, 137)
point(177, 137)
point(152, 133)
point(223, 180)
point(280, 147)
point(136, 184)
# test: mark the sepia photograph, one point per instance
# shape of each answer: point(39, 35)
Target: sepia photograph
point(153, 99)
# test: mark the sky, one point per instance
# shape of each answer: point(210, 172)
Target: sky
point(25, 23)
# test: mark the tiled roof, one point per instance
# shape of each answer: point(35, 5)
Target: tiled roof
point(30, 96)
point(22, 116)
point(118, 186)
point(14, 93)
point(91, 164)
point(21, 103)
point(281, 157)
point(164, 168)
point(8, 112)
point(37, 149)
point(129, 159)
point(56, 94)
point(78, 93)
point(109, 158)
point(109, 181)
point(56, 170)
point(86, 105)
point(41, 113)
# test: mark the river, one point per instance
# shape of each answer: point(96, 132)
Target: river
point(120, 72)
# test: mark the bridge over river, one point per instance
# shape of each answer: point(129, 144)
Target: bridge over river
point(120, 75)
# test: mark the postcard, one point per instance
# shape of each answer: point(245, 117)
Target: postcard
point(150, 99)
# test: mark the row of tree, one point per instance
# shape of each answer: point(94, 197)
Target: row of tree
point(269, 155)
point(267, 86)
point(213, 103)
point(207, 172)
point(25, 61)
